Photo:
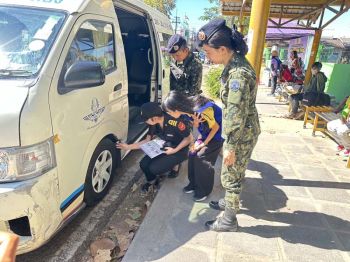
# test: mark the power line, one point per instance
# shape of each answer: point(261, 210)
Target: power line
point(176, 21)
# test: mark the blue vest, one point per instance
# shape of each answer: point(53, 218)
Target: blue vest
point(204, 129)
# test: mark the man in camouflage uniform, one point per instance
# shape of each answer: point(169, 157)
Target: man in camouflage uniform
point(240, 123)
point(186, 72)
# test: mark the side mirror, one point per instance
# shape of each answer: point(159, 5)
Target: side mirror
point(83, 74)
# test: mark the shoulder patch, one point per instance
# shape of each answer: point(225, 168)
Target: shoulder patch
point(181, 126)
point(234, 85)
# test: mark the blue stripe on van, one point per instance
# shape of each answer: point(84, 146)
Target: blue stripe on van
point(71, 198)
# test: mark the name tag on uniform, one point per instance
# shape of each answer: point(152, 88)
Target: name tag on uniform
point(170, 135)
point(172, 122)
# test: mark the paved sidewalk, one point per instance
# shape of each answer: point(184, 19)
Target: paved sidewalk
point(295, 204)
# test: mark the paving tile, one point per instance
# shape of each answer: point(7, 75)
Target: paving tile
point(295, 212)
point(253, 207)
point(303, 159)
point(314, 173)
point(284, 188)
point(344, 240)
point(252, 185)
point(186, 253)
point(336, 163)
point(330, 194)
point(306, 244)
point(274, 170)
point(342, 174)
point(296, 149)
point(266, 156)
point(251, 232)
point(229, 257)
point(337, 216)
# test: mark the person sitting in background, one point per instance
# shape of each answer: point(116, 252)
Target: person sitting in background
point(294, 61)
point(316, 85)
point(341, 128)
point(286, 75)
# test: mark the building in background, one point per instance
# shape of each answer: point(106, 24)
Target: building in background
point(334, 50)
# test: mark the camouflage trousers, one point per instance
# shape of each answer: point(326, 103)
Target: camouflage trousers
point(232, 176)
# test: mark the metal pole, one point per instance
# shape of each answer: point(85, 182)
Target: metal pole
point(315, 44)
point(257, 33)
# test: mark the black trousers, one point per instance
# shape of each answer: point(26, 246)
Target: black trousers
point(161, 164)
point(295, 99)
point(201, 168)
point(274, 84)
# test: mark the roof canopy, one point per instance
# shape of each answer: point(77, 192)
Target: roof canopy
point(274, 33)
point(306, 12)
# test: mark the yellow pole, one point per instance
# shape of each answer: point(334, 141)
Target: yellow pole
point(257, 32)
point(315, 44)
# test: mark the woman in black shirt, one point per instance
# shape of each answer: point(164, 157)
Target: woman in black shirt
point(174, 132)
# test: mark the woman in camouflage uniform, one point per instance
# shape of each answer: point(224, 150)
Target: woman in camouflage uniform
point(240, 118)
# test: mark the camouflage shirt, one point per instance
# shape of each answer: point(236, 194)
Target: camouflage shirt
point(187, 76)
point(238, 95)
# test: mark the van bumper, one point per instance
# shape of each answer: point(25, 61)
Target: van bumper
point(31, 210)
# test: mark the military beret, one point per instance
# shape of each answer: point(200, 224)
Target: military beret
point(208, 30)
point(175, 43)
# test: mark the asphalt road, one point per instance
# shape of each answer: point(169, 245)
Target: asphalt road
point(73, 240)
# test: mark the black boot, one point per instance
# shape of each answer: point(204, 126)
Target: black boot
point(218, 205)
point(226, 223)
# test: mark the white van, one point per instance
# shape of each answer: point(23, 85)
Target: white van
point(73, 75)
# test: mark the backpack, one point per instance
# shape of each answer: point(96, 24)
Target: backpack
point(324, 100)
point(310, 99)
point(316, 99)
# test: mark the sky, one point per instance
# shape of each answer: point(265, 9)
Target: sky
point(195, 8)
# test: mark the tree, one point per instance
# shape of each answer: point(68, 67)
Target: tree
point(211, 12)
point(164, 6)
point(214, 12)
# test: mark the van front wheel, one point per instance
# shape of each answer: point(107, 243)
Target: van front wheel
point(100, 173)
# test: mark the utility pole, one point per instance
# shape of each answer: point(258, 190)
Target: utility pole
point(176, 21)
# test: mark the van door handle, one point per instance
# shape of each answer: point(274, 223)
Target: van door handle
point(118, 87)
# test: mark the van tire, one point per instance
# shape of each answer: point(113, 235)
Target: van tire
point(103, 163)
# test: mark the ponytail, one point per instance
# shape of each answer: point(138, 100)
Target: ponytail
point(238, 43)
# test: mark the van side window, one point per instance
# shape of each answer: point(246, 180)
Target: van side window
point(93, 42)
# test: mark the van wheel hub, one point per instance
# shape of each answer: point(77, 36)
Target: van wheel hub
point(102, 171)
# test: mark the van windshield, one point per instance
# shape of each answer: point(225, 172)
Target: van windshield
point(26, 37)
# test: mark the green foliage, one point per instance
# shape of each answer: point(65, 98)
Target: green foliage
point(211, 12)
point(214, 12)
point(213, 83)
point(164, 6)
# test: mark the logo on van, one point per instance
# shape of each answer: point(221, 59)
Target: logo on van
point(4, 164)
point(97, 111)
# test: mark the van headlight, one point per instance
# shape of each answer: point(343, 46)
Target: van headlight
point(21, 163)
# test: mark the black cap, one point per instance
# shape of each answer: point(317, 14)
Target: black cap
point(149, 110)
point(175, 43)
point(208, 30)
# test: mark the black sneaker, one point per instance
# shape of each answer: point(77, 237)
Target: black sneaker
point(174, 173)
point(218, 205)
point(145, 187)
point(188, 189)
point(199, 199)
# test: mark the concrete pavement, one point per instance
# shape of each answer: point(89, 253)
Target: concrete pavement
point(295, 204)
